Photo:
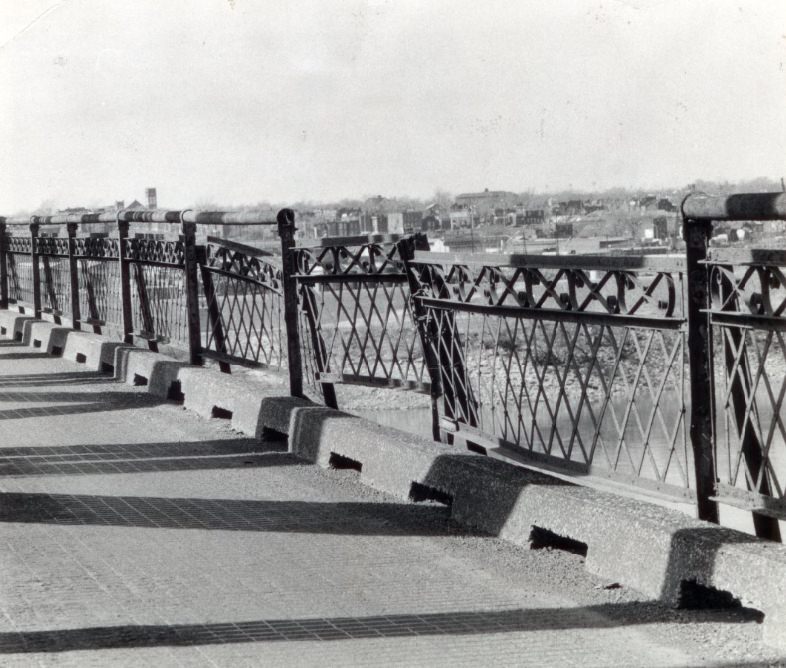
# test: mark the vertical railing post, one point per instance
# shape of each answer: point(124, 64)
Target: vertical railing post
point(126, 313)
point(3, 266)
point(73, 276)
point(286, 231)
point(697, 235)
point(188, 230)
point(34, 228)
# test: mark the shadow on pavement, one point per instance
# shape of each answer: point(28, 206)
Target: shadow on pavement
point(91, 402)
point(343, 518)
point(142, 457)
point(332, 628)
point(62, 378)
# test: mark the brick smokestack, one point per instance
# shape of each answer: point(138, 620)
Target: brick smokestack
point(152, 198)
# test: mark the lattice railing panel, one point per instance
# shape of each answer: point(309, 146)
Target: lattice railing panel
point(55, 274)
point(572, 366)
point(158, 301)
point(155, 251)
point(244, 305)
point(359, 324)
point(20, 269)
point(99, 291)
point(99, 280)
point(369, 333)
point(749, 369)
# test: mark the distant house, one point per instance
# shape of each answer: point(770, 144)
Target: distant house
point(534, 216)
point(484, 204)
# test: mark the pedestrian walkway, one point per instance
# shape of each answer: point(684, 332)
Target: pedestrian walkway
point(136, 533)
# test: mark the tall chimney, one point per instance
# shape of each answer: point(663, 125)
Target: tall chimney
point(152, 198)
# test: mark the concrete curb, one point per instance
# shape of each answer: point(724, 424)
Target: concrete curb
point(93, 350)
point(12, 325)
point(254, 406)
point(47, 336)
point(135, 366)
point(650, 548)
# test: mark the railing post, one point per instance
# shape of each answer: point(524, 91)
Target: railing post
point(286, 231)
point(3, 266)
point(697, 235)
point(73, 275)
point(125, 282)
point(36, 273)
point(188, 231)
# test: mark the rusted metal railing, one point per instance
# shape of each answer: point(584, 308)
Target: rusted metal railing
point(357, 319)
point(568, 363)
point(738, 361)
point(666, 373)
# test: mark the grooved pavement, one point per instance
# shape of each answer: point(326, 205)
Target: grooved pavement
point(133, 533)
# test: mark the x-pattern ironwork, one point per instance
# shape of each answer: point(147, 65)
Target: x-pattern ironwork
point(616, 291)
point(99, 293)
point(606, 396)
point(155, 250)
point(19, 244)
point(53, 246)
point(747, 315)
point(158, 302)
point(243, 294)
point(343, 260)
point(97, 247)
point(358, 313)
point(236, 263)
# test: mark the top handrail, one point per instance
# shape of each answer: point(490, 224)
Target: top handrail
point(218, 218)
point(745, 206)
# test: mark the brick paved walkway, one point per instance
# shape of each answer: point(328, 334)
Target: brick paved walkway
point(135, 533)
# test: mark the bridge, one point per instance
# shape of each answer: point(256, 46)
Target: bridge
point(180, 486)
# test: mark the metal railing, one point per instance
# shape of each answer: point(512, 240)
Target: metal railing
point(666, 373)
point(572, 363)
point(738, 358)
point(357, 322)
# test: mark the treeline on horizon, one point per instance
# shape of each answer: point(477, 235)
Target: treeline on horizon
point(445, 198)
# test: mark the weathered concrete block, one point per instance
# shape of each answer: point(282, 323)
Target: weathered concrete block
point(391, 460)
point(254, 405)
point(650, 548)
point(47, 336)
point(12, 325)
point(275, 412)
point(143, 367)
point(92, 350)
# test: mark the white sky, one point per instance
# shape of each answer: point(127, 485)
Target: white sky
point(240, 101)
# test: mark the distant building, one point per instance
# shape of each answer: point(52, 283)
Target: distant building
point(484, 204)
point(534, 216)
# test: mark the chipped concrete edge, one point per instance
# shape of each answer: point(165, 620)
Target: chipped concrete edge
point(649, 548)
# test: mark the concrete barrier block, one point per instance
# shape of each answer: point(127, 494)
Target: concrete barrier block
point(47, 336)
point(201, 388)
point(12, 325)
point(253, 405)
point(275, 412)
point(135, 366)
point(391, 460)
point(92, 350)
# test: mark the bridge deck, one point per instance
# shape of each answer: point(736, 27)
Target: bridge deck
point(135, 532)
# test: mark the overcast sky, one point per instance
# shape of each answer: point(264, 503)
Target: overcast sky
point(238, 101)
